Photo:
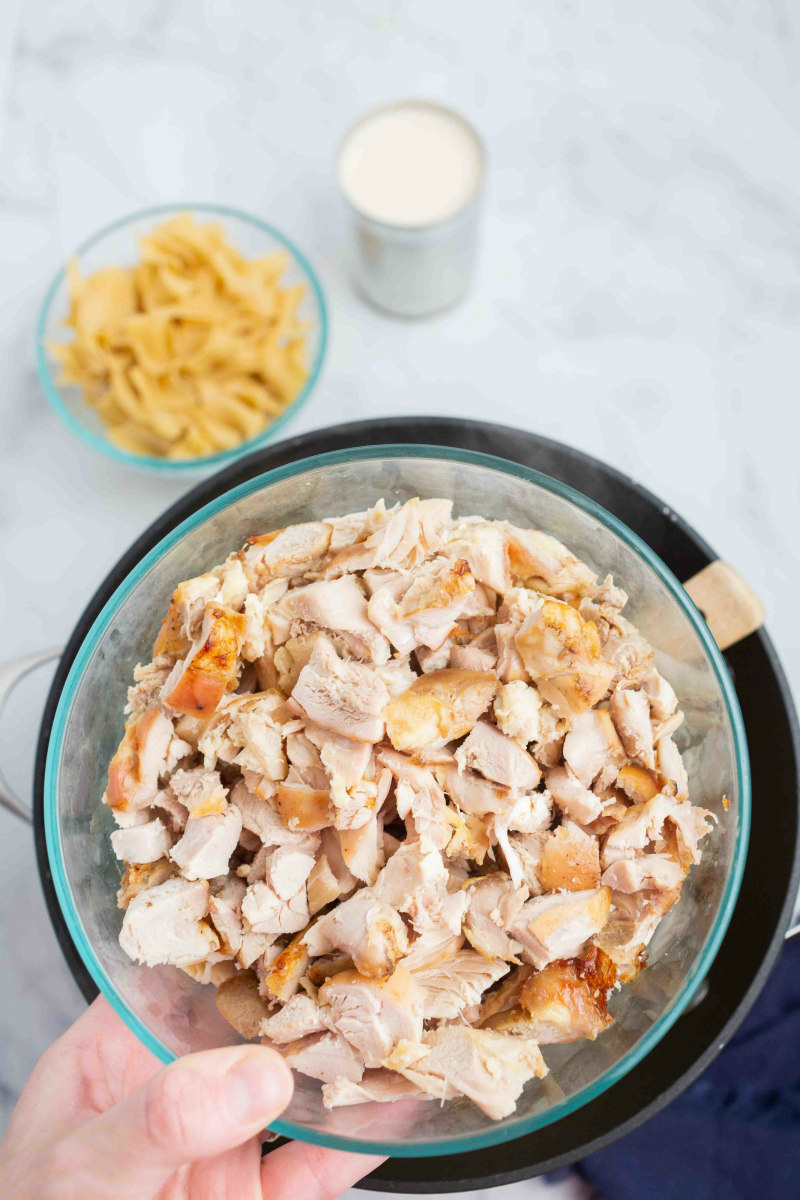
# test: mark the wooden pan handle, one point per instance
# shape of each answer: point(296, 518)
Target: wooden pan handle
point(730, 606)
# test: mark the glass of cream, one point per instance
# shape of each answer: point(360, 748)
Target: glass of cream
point(412, 173)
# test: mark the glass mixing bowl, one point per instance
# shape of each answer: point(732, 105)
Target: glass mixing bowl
point(170, 1012)
point(118, 246)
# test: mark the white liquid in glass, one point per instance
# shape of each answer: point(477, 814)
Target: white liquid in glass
point(410, 165)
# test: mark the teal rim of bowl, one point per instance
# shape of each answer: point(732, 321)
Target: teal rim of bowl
point(178, 465)
point(492, 1135)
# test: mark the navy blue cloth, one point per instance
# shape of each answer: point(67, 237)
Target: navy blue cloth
point(735, 1133)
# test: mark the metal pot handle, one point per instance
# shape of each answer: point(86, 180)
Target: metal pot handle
point(730, 606)
point(10, 675)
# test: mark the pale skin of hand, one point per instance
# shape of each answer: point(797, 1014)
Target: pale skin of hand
point(101, 1119)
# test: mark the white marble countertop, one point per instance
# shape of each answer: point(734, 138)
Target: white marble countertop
point(638, 295)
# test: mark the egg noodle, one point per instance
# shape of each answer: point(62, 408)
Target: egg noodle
point(190, 352)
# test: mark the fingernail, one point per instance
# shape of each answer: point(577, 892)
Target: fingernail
point(258, 1086)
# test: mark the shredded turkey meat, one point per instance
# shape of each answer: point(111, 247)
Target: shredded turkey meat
point(408, 789)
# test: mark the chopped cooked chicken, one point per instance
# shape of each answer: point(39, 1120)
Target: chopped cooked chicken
point(630, 712)
point(431, 946)
point(424, 811)
point(374, 1014)
point(136, 879)
point(362, 849)
point(592, 750)
point(240, 1004)
point(663, 700)
point(411, 534)
point(330, 806)
point(345, 760)
point(165, 924)
point(340, 606)
point(550, 744)
point(207, 844)
point(324, 1056)
point(357, 526)
point(488, 1067)
point(248, 731)
point(637, 783)
point(649, 872)
point(527, 850)
point(378, 1085)
point(434, 602)
point(483, 545)
point(256, 948)
point(623, 646)
point(345, 697)
point(200, 791)
point(631, 925)
point(143, 843)
point(184, 616)
point(303, 807)
point(558, 924)
point(258, 606)
point(540, 561)
point(438, 707)
point(528, 814)
point(279, 903)
point(472, 658)
point(429, 661)
point(691, 825)
point(134, 770)
point(383, 608)
point(323, 887)
point(286, 553)
point(286, 970)
point(572, 797)
point(148, 680)
point(562, 653)
point(225, 912)
point(570, 860)
point(364, 927)
point(415, 881)
point(419, 612)
point(517, 706)
point(210, 971)
point(470, 837)
point(494, 906)
point(260, 814)
point(294, 654)
point(497, 757)
point(397, 674)
point(472, 793)
point(414, 869)
point(199, 682)
point(233, 586)
point(454, 983)
point(642, 824)
point(305, 762)
point(299, 1017)
point(670, 764)
point(564, 1002)
point(519, 605)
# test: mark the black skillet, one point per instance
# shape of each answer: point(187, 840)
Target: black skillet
point(770, 880)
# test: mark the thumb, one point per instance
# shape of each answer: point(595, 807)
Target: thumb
point(195, 1108)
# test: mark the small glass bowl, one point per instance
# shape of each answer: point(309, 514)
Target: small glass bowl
point(118, 245)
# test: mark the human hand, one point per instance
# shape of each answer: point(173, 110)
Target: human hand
point(101, 1119)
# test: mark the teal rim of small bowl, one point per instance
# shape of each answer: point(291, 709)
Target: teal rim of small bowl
point(180, 465)
point(492, 1135)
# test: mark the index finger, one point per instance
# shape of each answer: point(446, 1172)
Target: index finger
point(312, 1172)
